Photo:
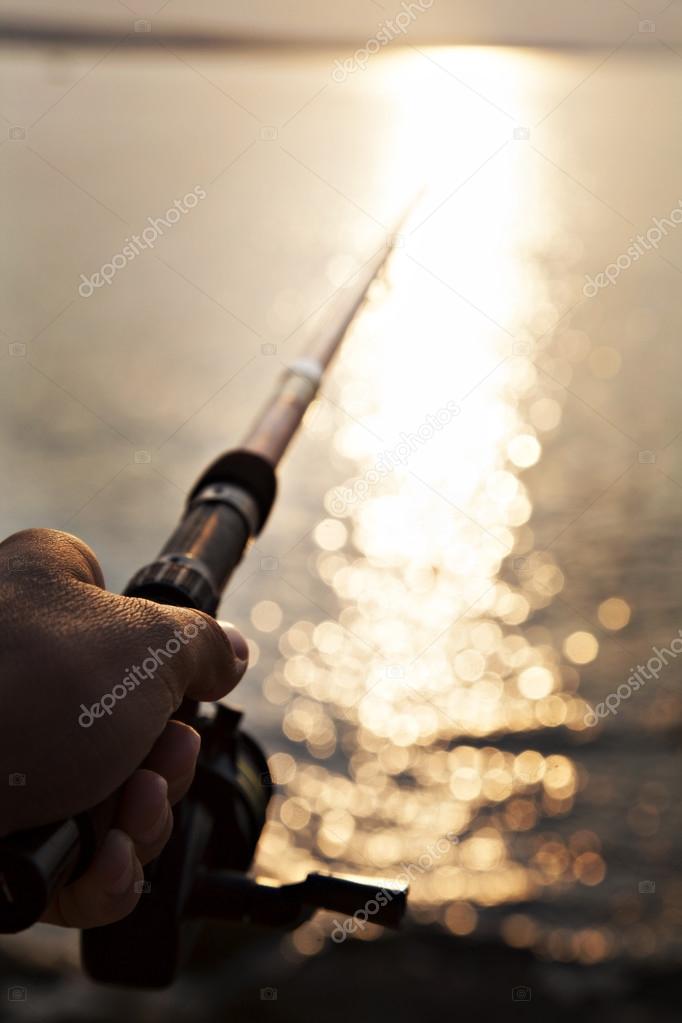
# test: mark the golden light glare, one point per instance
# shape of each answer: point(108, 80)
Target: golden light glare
point(536, 682)
point(266, 615)
point(524, 450)
point(559, 778)
point(295, 813)
point(589, 868)
point(614, 613)
point(545, 413)
point(330, 534)
point(529, 767)
point(581, 647)
point(461, 918)
point(548, 579)
point(282, 768)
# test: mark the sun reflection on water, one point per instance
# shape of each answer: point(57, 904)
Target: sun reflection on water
point(438, 410)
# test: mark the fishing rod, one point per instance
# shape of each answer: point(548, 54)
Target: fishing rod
point(202, 870)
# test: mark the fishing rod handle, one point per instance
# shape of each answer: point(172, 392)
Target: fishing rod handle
point(228, 506)
point(37, 862)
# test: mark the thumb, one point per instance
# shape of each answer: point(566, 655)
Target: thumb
point(210, 659)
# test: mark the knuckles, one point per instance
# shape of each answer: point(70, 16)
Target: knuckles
point(47, 555)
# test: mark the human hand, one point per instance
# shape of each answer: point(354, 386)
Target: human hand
point(88, 682)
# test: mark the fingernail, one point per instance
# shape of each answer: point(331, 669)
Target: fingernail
point(237, 642)
point(118, 848)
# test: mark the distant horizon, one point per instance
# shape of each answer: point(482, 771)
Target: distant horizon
point(431, 22)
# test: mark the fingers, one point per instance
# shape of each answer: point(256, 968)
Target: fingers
point(107, 890)
point(145, 815)
point(50, 554)
point(144, 821)
point(174, 756)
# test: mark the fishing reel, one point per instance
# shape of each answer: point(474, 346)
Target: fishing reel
point(216, 828)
